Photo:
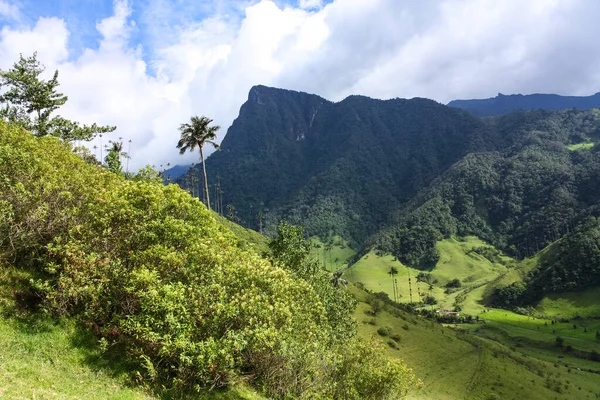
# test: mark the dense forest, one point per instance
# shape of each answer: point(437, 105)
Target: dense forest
point(335, 167)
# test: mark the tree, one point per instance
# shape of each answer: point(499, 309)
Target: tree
point(393, 272)
point(113, 158)
point(197, 134)
point(30, 101)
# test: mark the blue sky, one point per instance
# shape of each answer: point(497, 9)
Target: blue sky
point(153, 19)
point(148, 65)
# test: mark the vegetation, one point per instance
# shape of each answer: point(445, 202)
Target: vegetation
point(573, 263)
point(422, 174)
point(149, 271)
point(196, 134)
point(29, 101)
point(479, 360)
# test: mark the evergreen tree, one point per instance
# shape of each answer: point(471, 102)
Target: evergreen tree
point(30, 101)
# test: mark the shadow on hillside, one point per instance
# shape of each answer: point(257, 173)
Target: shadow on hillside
point(113, 362)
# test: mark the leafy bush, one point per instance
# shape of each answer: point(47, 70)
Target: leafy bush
point(146, 266)
point(384, 331)
point(454, 283)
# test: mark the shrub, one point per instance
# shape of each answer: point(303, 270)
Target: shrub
point(384, 331)
point(147, 267)
point(454, 283)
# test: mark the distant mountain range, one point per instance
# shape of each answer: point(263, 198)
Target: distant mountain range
point(504, 104)
point(173, 173)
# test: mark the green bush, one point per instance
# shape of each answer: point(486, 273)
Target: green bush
point(148, 268)
point(384, 331)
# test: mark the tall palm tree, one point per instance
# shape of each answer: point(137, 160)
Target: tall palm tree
point(196, 134)
point(393, 272)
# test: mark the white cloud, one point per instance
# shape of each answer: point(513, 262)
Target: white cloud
point(49, 37)
point(381, 48)
point(8, 10)
point(310, 4)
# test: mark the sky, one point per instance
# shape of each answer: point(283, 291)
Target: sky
point(147, 66)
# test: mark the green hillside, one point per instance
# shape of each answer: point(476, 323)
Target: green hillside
point(332, 254)
point(463, 259)
point(156, 282)
point(478, 361)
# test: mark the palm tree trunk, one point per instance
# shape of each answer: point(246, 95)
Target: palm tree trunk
point(205, 179)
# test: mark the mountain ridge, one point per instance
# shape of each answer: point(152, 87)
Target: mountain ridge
point(302, 144)
point(505, 104)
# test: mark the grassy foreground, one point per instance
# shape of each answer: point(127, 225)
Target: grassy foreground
point(45, 358)
point(42, 359)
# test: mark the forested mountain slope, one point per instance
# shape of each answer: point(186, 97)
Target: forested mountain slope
point(505, 104)
point(537, 187)
point(401, 175)
point(337, 167)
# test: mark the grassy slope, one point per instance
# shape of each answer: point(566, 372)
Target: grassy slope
point(507, 355)
point(334, 258)
point(43, 359)
point(39, 359)
point(571, 304)
point(248, 237)
point(472, 269)
point(460, 365)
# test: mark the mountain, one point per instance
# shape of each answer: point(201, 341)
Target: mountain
point(504, 104)
point(173, 173)
point(341, 167)
point(401, 175)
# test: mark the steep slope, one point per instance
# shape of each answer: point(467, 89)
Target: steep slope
point(337, 167)
point(504, 104)
point(521, 198)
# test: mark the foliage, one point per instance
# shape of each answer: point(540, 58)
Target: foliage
point(521, 197)
point(454, 283)
point(30, 101)
point(148, 269)
point(113, 158)
point(335, 168)
point(291, 251)
point(196, 134)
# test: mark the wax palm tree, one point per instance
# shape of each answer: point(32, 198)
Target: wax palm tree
point(393, 272)
point(196, 134)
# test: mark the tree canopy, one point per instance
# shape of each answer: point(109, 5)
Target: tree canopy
point(30, 101)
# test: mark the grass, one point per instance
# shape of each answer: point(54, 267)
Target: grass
point(580, 146)
point(44, 358)
point(581, 337)
point(457, 260)
point(504, 356)
point(571, 304)
point(247, 237)
point(473, 363)
point(332, 254)
point(40, 359)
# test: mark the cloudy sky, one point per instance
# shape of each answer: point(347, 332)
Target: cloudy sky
point(148, 65)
